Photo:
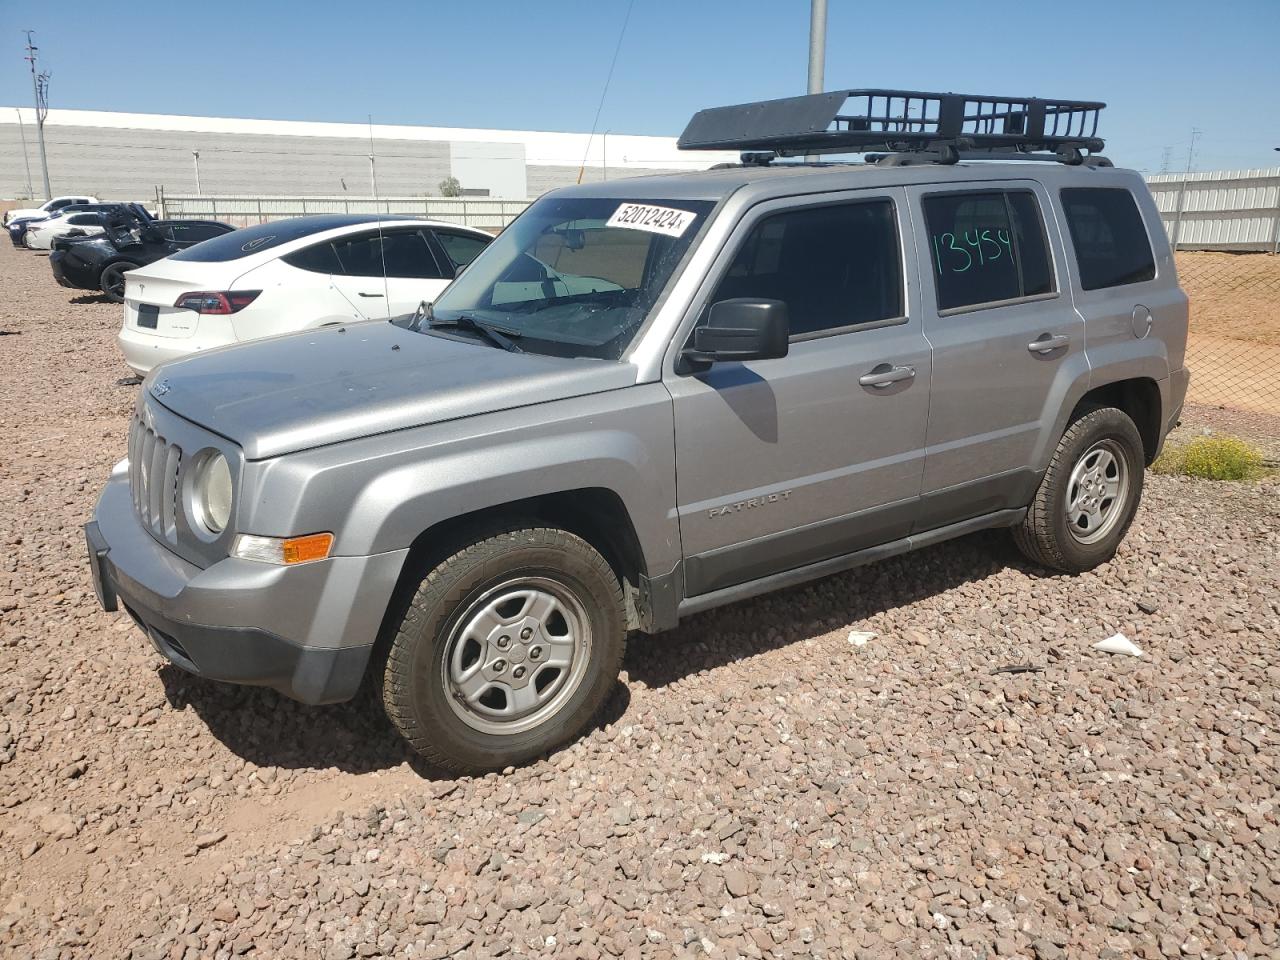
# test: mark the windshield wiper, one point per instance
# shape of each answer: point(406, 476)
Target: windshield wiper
point(498, 336)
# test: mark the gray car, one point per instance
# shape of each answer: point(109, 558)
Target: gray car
point(645, 399)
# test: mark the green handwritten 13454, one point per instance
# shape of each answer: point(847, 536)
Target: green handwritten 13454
point(975, 247)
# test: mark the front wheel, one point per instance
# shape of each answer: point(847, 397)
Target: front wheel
point(507, 650)
point(1088, 496)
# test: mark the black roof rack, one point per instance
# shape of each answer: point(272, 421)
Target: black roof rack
point(942, 127)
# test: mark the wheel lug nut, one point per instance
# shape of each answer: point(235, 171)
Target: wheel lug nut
point(499, 665)
point(518, 672)
point(504, 642)
point(535, 653)
point(526, 633)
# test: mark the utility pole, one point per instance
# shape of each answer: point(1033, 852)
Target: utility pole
point(195, 156)
point(26, 160)
point(40, 88)
point(604, 157)
point(1165, 159)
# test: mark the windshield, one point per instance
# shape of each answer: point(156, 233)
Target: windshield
point(573, 276)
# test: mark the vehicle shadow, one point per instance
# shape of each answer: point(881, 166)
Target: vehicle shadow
point(750, 627)
point(268, 729)
point(91, 298)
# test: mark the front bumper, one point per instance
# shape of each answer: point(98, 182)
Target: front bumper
point(306, 631)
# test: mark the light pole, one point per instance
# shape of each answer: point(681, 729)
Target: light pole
point(40, 89)
point(817, 44)
point(817, 49)
point(195, 158)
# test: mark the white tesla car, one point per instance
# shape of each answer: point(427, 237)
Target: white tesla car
point(74, 223)
point(287, 276)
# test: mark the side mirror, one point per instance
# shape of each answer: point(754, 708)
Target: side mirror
point(741, 329)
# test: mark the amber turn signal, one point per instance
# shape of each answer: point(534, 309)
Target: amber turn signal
point(283, 550)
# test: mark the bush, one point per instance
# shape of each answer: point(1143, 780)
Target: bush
point(1212, 458)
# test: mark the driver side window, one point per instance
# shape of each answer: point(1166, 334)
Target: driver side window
point(835, 266)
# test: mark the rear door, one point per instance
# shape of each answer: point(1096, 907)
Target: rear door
point(388, 272)
point(1007, 343)
point(787, 462)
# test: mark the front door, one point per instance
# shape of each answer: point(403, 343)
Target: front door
point(1008, 345)
point(787, 462)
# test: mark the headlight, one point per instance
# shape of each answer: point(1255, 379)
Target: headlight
point(213, 493)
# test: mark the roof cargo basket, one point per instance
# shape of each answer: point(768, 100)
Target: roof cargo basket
point(942, 127)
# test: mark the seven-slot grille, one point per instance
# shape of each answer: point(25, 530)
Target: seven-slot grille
point(153, 479)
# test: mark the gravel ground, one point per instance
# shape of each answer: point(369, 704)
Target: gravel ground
point(764, 786)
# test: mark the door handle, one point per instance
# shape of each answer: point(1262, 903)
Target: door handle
point(363, 294)
point(883, 375)
point(1048, 344)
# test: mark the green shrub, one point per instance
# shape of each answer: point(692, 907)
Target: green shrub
point(1212, 458)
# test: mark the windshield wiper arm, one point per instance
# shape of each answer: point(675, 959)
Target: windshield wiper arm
point(498, 336)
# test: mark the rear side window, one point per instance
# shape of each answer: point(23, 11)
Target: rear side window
point(987, 247)
point(317, 258)
point(402, 253)
point(1111, 243)
point(834, 266)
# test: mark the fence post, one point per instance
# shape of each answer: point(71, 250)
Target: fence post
point(1177, 217)
point(260, 217)
point(214, 203)
point(1275, 236)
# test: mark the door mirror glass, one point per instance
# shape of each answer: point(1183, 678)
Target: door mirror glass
point(742, 329)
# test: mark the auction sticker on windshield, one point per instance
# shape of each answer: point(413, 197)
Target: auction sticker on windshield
point(642, 216)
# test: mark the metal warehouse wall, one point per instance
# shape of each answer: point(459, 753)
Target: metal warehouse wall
point(1221, 210)
point(125, 156)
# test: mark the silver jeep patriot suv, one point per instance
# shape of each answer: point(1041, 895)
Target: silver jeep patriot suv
point(654, 396)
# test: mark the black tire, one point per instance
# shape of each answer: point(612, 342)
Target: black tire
point(415, 692)
point(111, 281)
point(1046, 535)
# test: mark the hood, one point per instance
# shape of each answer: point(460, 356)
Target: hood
point(304, 390)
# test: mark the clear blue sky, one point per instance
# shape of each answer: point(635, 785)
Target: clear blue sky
point(1212, 64)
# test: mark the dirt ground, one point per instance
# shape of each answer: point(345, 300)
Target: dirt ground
point(1234, 347)
point(1233, 295)
point(766, 784)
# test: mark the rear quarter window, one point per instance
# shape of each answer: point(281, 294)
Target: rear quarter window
point(1110, 240)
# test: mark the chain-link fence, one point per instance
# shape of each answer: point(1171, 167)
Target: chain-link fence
point(1234, 347)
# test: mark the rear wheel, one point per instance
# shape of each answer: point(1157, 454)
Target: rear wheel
point(508, 649)
point(1089, 494)
point(112, 280)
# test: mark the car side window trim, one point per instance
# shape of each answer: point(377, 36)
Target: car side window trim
point(753, 217)
point(1004, 189)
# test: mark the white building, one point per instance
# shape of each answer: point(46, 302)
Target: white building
point(129, 155)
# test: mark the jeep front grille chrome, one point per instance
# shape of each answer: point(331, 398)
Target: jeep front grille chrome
point(153, 480)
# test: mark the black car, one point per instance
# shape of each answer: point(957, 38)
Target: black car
point(100, 262)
